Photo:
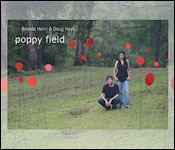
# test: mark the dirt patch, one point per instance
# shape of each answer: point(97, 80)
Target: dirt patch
point(78, 112)
point(150, 91)
point(141, 93)
point(81, 110)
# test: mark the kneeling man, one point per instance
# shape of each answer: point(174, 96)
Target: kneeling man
point(110, 94)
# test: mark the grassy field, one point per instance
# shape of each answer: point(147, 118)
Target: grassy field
point(67, 99)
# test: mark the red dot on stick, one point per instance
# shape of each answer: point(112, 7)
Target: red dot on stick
point(48, 67)
point(140, 60)
point(149, 80)
point(156, 64)
point(99, 54)
point(83, 57)
point(32, 80)
point(149, 51)
point(128, 45)
point(4, 84)
point(20, 78)
point(19, 65)
point(102, 59)
point(89, 42)
point(169, 55)
point(72, 43)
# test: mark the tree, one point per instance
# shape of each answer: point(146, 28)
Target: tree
point(79, 49)
point(33, 58)
point(158, 41)
point(84, 27)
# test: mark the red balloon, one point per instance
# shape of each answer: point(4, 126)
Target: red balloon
point(48, 67)
point(156, 64)
point(20, 78)
point(140, 60)
point(128, 45)
point(4, 84)
point(90, 42)
point(72, 43)
point(169, 55)
point(102, 59)
point(83, 57)
point(99, 54)
point(149, 80)
point(32, 80)
point(19, 65)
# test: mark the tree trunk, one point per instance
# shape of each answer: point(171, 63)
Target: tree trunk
point(79, 50)
point(158, 41)
point(80, 46)
point(33, 58)
point(77, 15)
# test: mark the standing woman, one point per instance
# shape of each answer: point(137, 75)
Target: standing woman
point(122, 66)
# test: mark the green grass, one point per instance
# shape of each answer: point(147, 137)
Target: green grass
point(67, 99)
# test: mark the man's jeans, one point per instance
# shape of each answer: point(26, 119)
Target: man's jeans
point(126, 89)
point(114, 102)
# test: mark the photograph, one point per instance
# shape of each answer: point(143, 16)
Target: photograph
point(88, 74)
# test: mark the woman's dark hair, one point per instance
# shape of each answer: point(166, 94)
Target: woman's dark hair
point(125, 62)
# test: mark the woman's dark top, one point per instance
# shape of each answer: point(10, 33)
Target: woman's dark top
point(122, 73)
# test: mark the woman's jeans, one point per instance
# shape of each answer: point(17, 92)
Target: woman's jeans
point(126, 89)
